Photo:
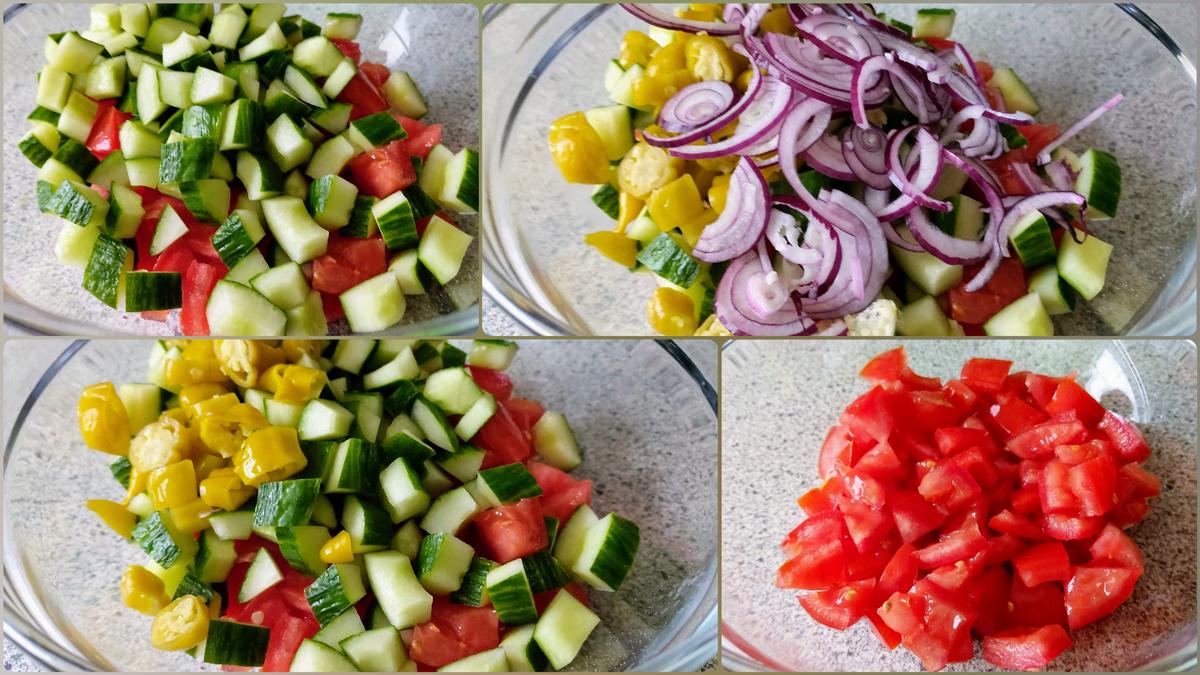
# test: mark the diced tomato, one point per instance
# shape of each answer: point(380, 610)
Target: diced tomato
point(362, 96)
point(1041, 440)
point(1080, 453)
point(1066, 527)
point(177, 258)
point(351, 49)
point(347, 262)
point(840, 608)
point(561, 494)
point(819, 561)
point(892, 366)
point(1115, 547)
point(376, 73)
point(1014, 416)
point(435, 646)
point(867, 527)
point(286, 635)
point(331, 306)
point(870, 415)
point(1094, 485)
point(881, 463)
point(524, 412)
point(1054, 489)
point(940, 43)
point(990, 592)
point(985, 70)
point(1025, 648)
point(1042, 563)
point(1134, 482)
point(198, 283)
point(1005, 286)
point(383, 171)
point(961, 395)
point(477, 628)
point(954, 546)
point(502, 441)
point(1009, 522)
point(1125, 437)
point(926, 410)
point(837, 452)
point(914, 516)
point(104, 137)
point(949, 486)
point(421, 138)
point(953, 440)
point(512, 531)
point(985, 375)
point(495, 382)
point(1074, 399)
point(1095, 591)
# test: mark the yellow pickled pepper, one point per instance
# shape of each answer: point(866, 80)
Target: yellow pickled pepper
point(578, 150)
point(172, 485)
point(671, 312)
point(103, 421)
point(271, 453)
point(142, 590)
point(183, 624)
point(675, 204)
point(224, 489)
point(636, 49)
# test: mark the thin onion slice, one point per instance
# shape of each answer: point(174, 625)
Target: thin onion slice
point(756, 122)
point(1044, 156)
point(743, 219)
point(695, 105)
point(734, 309)
point(656, 17)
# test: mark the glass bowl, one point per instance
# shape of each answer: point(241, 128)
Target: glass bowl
point(44, 296)
point(61, 565)
point(543, 61)
point(770, 458)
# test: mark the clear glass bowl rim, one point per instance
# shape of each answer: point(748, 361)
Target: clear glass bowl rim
point(501, 285)
point(688, 655)
point(739, 655)
point(28, 318)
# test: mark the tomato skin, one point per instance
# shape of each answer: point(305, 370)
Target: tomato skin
point(914, 516)
point(1094, 484)
point(870, 415)
point(1095, 591)
point(820, 555)
point(1040, 441)
point(1069, 397)
point(1115, 547)
point(957, 545)
point(881, 463)
point(837, 452)
point(495, 382)
point(840, 608)
point(867, 527)
point(198, 283)
point(347, 262)
point(375, 73)
point(512, 531)
point(286, 636)
point(562, 494)
point(1042, 563)
point(1066, 527)
point(1009, 522)
point(362, 96)
point(351, 49)
point(104, 138)
point(1026, 649)
point(976, 307)
point(953, 440)
point(1015, 416)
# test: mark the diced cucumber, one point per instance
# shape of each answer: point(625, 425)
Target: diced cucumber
point(562, 629)
point(342, 25)
point(1032, 241)
point(404, 495)
point(307, 319)
point(377, 650)
point(1016, 95)
point(338, 588)
point(490, 661)
point(442, 562)
point(510, 593)
point(478, 415)
point(207, 199)
point(334, 118)
point(460, 182)
point(368, 523)
point(622, 90)
point(235, 309)
point(318, 657)
point(331, 157)
point(402, 367)
point(403, 95)
point(374, 304)
point(271, 40)
point(442, 249)
point(232, 524)
point(301, 546)
point(77, 117)
point(615, 128)
point(555, 442)
point(507, 484)
point(374, 130)
point(666, 258)
point(414, 278)
point(262, 575)
point(463, 465)
point(339, 78)
point(433, 172)
point(571, 537)
point(299, 235)
point(236, 644)
point(1054, 291)
point(450, 511)
point(331, 199)
point(434, 425)
point(405, 602)
point(523, 652)
point(609, 549)
point(452, 389)
point(933, 23)
point(1099, 182)
point(1084, 265)
point(286, 144)
point(284, 285)
point(227, 26)
point(493, 354)
point(473, 591)
point(925, 270)
point(1024, 317)
point(922, 317)
point(286, 502)
point(346, 625)
point(74, 54)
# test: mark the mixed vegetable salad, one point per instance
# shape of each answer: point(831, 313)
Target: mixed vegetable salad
point(993, 505)
point(823, 169)
point(355, 505)
point(247, 167)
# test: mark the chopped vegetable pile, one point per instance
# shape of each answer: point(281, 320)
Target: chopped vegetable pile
point(992, 506)
point(245, 167)
point(355, 505)
point(808, 169)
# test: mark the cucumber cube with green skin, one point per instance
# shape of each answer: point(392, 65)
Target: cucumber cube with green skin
point(933, 23)
point(1032, 240)
point(1016, 95)
point(405, 602)
point(331, 200)
point(79, 204)
point(923, 317)
point(1025, 317)
point(338, 588)
point(1099, 182)
point(443, 248)
point(442, 562)
point(1084, 265)
point(667, 259)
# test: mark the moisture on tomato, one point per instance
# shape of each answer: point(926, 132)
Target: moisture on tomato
point(993, 506)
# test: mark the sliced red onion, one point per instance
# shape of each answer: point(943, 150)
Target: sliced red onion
point(1060, 175)
point(755, 123)
point(784, 234)
point(929, 168)
point(968, 64)
point(695, 105)
point(861, 277)
point(754, 89)
point(877, 200)
point(865, 152)
point(948, 249)
point(835, 327)
point(733, 12)
point(839, 37)
point(826, 157)
point(741, 222)
point(802, 66)
point(1044, 155)
point(1029, 178)
point(662, 19)
point(734, 308)
point(867, 75)
point(990, 194)
point(1037, 202)
point(865, 15)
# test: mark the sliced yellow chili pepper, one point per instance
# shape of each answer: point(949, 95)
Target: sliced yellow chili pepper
point(646, 168)
point(578, 150)
point(142, 590)
point(717, 192)
point(198, 350)
point(671, 312)
point(652, 91)
point(293, 350)
point(162, 442)
point(300, 384)
point(242, 360)
point(224, 432)
point(713, 328)
point(223, 489)
point(636, 49)
point(338, 549)
point(172, 485)
point(271, 377)
point(114, 515)
point(614, 246)
point(269, 454)
point(630, 208)
point(675, 204)
point(693, 229)
point(190, 517)
point(181, 372)
point(212, 406)
point(183, 624)
point(708, 58)
point(194, 394)
point(669, 58)
point(206, 463)
point(103, 421)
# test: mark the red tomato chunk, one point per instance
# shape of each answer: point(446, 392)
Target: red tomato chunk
point(992, 506)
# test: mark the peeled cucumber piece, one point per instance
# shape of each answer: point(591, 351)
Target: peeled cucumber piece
point(923, 318)
point(1084, 265)
point(1016, 95)
point(930, 274)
